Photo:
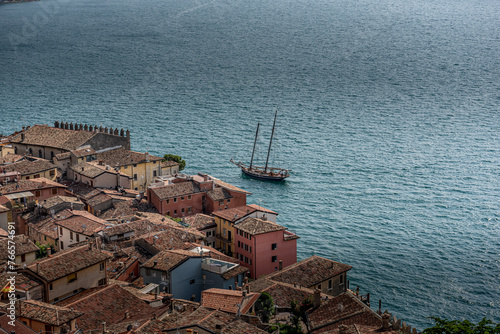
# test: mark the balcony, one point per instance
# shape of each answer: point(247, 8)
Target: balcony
point(216, 266)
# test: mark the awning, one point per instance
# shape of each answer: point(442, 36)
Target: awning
point(20, 195)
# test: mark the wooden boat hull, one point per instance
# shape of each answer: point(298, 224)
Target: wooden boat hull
point(266, 177)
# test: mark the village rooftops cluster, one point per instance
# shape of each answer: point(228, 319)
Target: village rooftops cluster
point(130, 245)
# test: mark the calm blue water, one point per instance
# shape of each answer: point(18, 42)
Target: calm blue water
point(388, 115)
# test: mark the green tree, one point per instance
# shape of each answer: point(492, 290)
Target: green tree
point(265, 307)
point(444, 326)
point(176, 158)
point(42, 250)
point(299, 313)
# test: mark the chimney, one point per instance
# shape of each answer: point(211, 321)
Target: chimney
point(104, 330)
point(244, 293)
point(147, 156)
point(247, 288)
point(49, 251)
point(317, 298)
point(385, 321)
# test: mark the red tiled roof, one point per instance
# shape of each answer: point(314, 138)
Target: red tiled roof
point(235, 214)
point(46, 227)
point(344, 309)
point(239, 326)
point(219, 194)
point(28, 167)
point(18, 328)
point(255, 226)
point(23, 245)
point(109, 304)
point(10, 158)
point(262, 209)
point(43, 135)
point(67, 262)
point(81, 222)
point(200, 221)
point(45, 313)
point(29, 185)
point(228, 300)
point(3, 209)
point(172, 238)
point(223, 184)
point(169, 259)
point(205, 318)
point(123, 157)
point(309, 272)
point(83, 152)
point(175, 190)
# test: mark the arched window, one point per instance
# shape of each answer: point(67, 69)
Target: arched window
point(30, 151)
point(39, 153)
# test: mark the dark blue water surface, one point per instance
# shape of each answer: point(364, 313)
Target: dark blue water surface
point(388, 115)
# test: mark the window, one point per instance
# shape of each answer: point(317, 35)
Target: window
point(154, 173)
point(274, 246)
point(61, 230)
point(249, 249)
point(135, 165)
point(23, 257)
point(135, 177)
point(341, 279)
point(102, 281)
point(52, 173)
point(203, 197)
point(175, 212)
point(45, 237)
point(221, 202)
point(319, 287)
point(54, 191)
point(274, 258)
point(239, 244)
point(182, 198)
point(175, 199)
point(38, 193)
point(77, 237)
point(51, 287)
point(189, 209)
point(182, 210)
point(191, 281)
point(168, 201)
point(27, 177)
point(70, 235)
point(189, 196)
point(40, 153)
point(228, 200)
point(71, 278)
point(148, 272)
point(224, 232)
point(36, 176)
point(330, 285)
point(101, 266)
point(168, 213)
point(62, 246)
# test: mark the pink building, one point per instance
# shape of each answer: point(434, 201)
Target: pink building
point(263, 246)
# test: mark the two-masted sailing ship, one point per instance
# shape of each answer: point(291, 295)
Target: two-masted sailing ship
point(263, 173)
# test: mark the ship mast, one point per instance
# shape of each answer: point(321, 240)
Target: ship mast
point(254, 143)
point(271, 141)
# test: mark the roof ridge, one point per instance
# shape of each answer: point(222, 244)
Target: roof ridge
point(209, 315)
point(93, 293)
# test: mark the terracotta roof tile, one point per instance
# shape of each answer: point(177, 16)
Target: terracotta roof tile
point(344, 309)
point(228, 300)
point(123, 157)
point(46, 313)
point(223, 184)
point(261, 208)
point(239, 326)
point(200, 221)
point(67, 262)
point(309, 272)
point(81, 222)
point(235, 213)
point(29, 185)
point(18, 328)
point(10, 158)
point(169, 163)
point(169, 259)
point(87, 170)
point(256, 226)
point(56, 200)
point(109, 304)
point(176, 189)
point(83, 152)
point(46, 227)
point(3, 209)
point(204, 317)
point(43, 135)
point(99, 199)
point(28, 167)
point(172, 238)
point(23, 281)
point(219, 194)
point(23, 245)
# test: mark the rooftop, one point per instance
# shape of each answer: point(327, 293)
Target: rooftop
point(23, 245)
point(235, 214)
point(28, 185)
point(255, 226)
point(200, 221)
point(46, 313)
point(228, 300)
point(309, 272)
point(43, 135)
point(81, 222)
point(122, 157)
point(10, 158)
point(111, 304)
point(28, 166)
point(67, 262)
point(176, 190)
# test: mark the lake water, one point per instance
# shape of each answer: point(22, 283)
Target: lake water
point(388, 116)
